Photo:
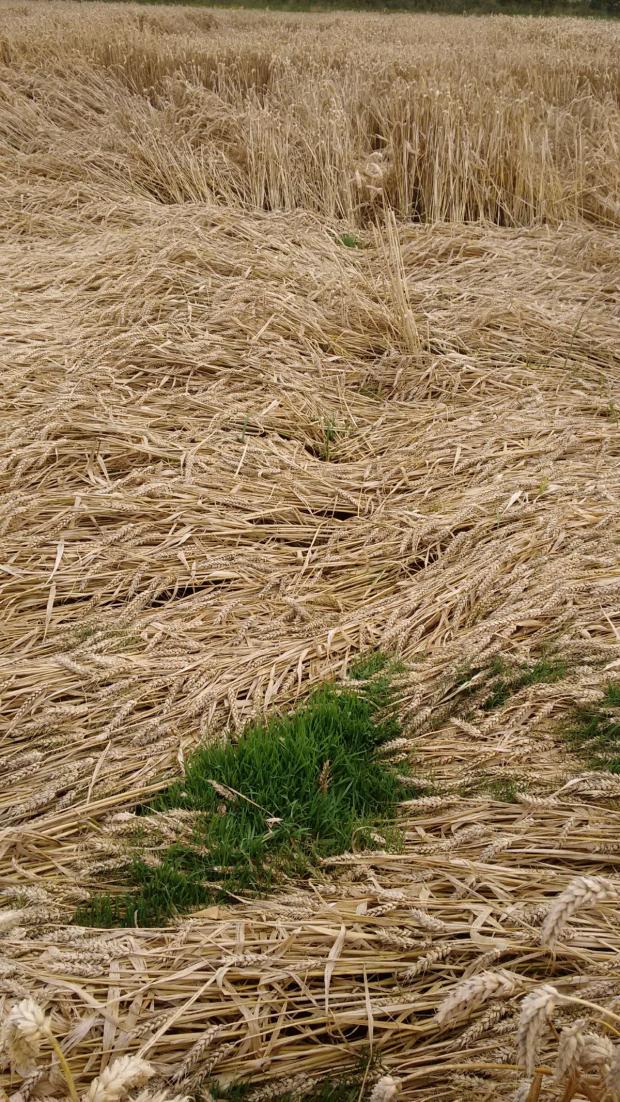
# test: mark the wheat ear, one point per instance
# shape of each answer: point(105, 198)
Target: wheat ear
point(581, 892)
point(536, 1010)
point(476, 990)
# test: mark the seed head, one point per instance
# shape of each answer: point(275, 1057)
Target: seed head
point(385, 1089)
point(570, 1045)
point(117, 1078)
point(9, 919)
point(474, 991)
point(536, 1010)
point(612, 1076)
point(581, 892)
point(24, 1029)
point(148, 1095)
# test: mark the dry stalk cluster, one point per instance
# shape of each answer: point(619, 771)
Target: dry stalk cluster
point(452, 948)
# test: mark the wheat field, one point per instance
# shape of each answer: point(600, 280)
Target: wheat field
point(310, 345)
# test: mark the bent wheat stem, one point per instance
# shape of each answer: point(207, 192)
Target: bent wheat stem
point(66, 1070)
point(592, 1006)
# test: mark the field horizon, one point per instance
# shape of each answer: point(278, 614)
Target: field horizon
point(583, 9)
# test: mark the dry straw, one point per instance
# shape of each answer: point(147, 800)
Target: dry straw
point(237, 449)
point(202, 976)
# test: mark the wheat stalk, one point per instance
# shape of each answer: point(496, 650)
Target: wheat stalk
point(471, 993)
point(583, 891)
point(198, 284)
point(197, 1051)
point(23, 1032)
point(536, 1009)
point(116, 1080)
point(570, 1045)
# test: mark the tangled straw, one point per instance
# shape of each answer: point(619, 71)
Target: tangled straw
point(310, 349)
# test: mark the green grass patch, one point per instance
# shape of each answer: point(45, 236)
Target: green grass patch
point(595, 732)
point(502, 788)
point(345, 1088)
point(507, 680)
point(351, 240)
point(495, 685)
point(330, 433)
point(289, 792)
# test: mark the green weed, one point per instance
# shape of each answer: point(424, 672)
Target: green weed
point(244, 428)
point(82, 632)
point(351, 240)
point(330, 432)
point(502, 788)
point(371, 390)
point(595, 732)
point(343, 1088)
point(501, 680)
point(462, 677)
point(289, 792)
point(505, 680)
